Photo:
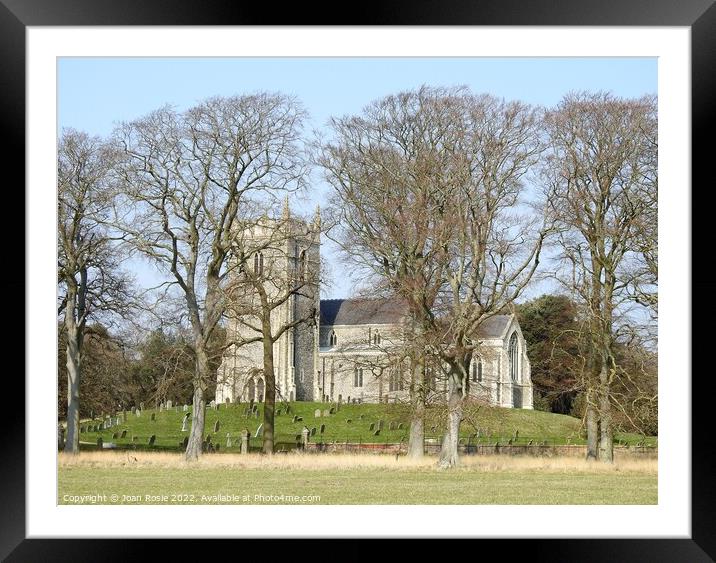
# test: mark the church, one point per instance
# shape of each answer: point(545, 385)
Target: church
point(346, 351)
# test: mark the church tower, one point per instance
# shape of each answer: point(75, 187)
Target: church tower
point(283, 256)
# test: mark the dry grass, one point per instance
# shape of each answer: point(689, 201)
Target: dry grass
point(308, 462)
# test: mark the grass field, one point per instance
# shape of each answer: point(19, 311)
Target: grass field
point(351, 423)
point(164, 478)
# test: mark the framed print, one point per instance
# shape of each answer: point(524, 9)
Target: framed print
point(145, 74)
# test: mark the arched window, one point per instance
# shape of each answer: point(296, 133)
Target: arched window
point(259, 264)
point(376, 338)
point(260, 390)
point(251, 390)
point(333, 339)
point(358, 377)
point(514, 358)
point(479, 369)
point(302, 266)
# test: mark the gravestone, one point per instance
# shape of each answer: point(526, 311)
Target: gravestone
point(169, 405)
point(141, 406)
point(134, 409)
point(400, 426)
point(380, 424)
point(124, 434)
point(82, 429)
point(377, 432)
point(185, 442)
point(228, 439)
point(259, 430)
point(217, 406)
point(100, 442)
point(184, 422)
point(278, 412)
point(348, 420)
point(257, 414)
point(317, 413)
point(313, 431)
point(332, 410)
point(295, 418)
point(216, 426)
point(114, 436)
point(134, 438)
point(326, 412)
point(152, 438)
point(185, 408)
point(138, 412)
point(372, 426)
point(161, 407)
point(153, 417)
point(288, 409)
point(245, 436)
point(529, 443)
point(305, 433)
point(391, 426)
point(227, 401)
point(361, 416)
point(323, 428)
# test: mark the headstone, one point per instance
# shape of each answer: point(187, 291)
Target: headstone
point(257, 414)
point(377, 432)
point(152, 438)
point(216, 426)
point(228, 439)
point(153, 418)
point(288, 409)
point(185, 408)
point(348, 420)
point(400, 426)
point(361, 416)
point(169, 405)
point(124, 433)
point(82, 429)
point(245, 435)
point(114, 436)
point(372, 426)
point(259, 430)
point(161, 407)
point(313, 431)
point(100, 442)
point(138, 412)
point(317, 413)
point(134, 438)
point(227, 401)
point(295, 418)
point(134, 409)
point(348, 400)
point(278, 412)
point(305, 433)
point(391, 426)
point(141, 406)
point(185, 442)
point(326, 412)
point(217, 406)
point(332, 410)
point(184, 422)
point(380, 424)
point(212, 404)
point(323, 428)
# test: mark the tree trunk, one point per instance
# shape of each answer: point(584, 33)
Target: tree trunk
point(416, 437)
point(592, 430)
point(606, 441)
point(198, 415)
point(74, 365)
point(270, 390)
point(449, 449)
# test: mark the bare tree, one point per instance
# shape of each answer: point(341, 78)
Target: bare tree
point(90, 281)
point(425, 183)
point(188, 178)
point(601, 185)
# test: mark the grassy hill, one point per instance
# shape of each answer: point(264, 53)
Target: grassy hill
point(351, 423)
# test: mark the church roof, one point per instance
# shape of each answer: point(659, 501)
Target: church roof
point(362, 311)
point(494, 327)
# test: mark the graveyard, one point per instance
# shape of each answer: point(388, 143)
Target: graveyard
point(348, 454)
point(164, 429)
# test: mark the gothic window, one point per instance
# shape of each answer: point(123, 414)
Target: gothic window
point(259, 264)
point(260, 390)
point(395, 382)
point(479, 369)
point(514, 358)
point(358, 377)
point(333, 339)
point(376, 338)
point(302, 266)
point(251, 390)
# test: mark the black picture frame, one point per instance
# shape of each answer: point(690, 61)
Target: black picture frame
point(698, 15)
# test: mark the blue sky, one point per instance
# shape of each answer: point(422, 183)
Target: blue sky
point(95, 93)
